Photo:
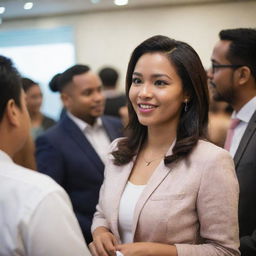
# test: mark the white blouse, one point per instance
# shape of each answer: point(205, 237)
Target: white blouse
point(128, 202)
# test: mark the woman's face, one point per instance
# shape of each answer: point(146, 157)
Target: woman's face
point(34, 99)
point(156, 92)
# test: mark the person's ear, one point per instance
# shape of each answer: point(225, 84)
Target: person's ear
point(12, 113)
point(65, 99)
point(244, 74)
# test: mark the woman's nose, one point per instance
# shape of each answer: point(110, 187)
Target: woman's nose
point(146, 91)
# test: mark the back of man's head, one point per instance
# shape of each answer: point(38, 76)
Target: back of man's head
point(242, 49)
point(60, 81)
point(10, 84)
point(108, 76)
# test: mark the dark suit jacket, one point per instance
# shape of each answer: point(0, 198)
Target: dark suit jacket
point(67, 156)
point(245, 161)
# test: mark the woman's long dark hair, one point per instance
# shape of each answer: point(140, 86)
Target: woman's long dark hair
point(193, 122)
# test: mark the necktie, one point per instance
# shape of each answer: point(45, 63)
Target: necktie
point(234, 123)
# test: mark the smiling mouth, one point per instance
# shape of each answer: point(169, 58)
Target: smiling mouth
point(145, 106)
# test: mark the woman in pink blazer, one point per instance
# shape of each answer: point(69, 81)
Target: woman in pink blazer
point(167, 191)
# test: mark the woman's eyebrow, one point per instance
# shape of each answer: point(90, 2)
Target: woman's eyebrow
point(159, 75)
point(137, 74)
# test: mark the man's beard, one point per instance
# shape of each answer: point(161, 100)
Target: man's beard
point(215, 94)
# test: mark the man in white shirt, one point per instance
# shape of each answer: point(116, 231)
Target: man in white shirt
point(233, 79)
point(73, 152)
point(36, 216)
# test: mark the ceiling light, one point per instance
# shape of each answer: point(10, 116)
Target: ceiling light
point(2, 9)
point(121, 2)
point(95, 1)
point(28, 5)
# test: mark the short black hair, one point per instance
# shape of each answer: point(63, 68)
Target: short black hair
point(10, 84)
point(108, 76)
point(54, 83)
point(61, 80)
point(242, 50)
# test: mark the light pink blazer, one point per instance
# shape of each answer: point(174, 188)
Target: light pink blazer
point(192, 204)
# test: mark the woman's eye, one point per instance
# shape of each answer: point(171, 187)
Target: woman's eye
point(160, 82)
point(136, 80)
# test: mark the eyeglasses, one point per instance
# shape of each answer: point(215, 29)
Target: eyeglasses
point(216, 66)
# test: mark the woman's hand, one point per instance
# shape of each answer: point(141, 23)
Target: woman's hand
point(92, 249)
point(103, 243)
point(146, 249)
point(132, 249)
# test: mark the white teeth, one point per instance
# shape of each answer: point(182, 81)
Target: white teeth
point(146, 106)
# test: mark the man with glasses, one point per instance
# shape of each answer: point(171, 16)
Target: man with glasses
point(233, 79)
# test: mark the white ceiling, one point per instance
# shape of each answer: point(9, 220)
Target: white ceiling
point(14, 8)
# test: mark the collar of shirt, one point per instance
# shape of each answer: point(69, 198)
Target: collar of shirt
point(246, 112)
point(5, 157)
point(83, 126)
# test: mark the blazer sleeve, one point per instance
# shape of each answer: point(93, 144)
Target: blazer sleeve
point(49, 159)
point(217, 207)
point(99, 219)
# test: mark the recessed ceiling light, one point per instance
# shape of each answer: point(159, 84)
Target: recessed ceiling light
point(28, 5)
point(121, 2)
point(2, 9)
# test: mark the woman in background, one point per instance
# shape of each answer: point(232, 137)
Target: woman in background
point(34, 98)
point(167, 191)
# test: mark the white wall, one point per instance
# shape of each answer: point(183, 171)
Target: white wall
point(103, 38)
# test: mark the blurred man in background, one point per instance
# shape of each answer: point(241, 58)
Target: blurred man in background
point(233, 79)
point(74, 151)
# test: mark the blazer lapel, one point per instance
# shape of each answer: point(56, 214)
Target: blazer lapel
point(155, 180)
point(250, 130)
point(119, 181)
point(76, 134)
point(158, 176)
